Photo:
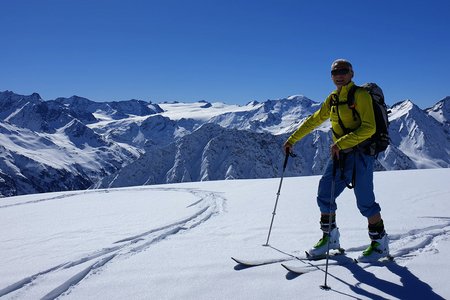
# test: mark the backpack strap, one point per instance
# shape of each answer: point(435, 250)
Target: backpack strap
point(351, 100)
point(350, 103)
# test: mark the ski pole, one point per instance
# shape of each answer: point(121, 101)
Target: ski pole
point(278, 194)
point(333, 184)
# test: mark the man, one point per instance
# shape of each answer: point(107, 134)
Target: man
point(350, 130)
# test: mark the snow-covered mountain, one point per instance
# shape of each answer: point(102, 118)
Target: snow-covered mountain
point(420, 136)
point(441, 111)
point(75, 143)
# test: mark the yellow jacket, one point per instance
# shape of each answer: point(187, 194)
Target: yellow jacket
point(361, 128)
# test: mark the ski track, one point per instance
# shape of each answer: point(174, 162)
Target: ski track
point(407, 245)
point(209, 205)
point(403, 247)
point(104, 191)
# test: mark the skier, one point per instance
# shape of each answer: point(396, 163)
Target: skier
point(355, 165)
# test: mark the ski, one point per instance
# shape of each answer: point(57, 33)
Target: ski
point(314, 266)
point(333, 252)
point(261, 262)
point(318, 266)
point(382, 260)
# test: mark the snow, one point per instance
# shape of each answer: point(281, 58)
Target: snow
point(38, 146)
point(175, 241)
point(74, 143)
point(202, 111)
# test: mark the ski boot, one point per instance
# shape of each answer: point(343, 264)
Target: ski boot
point(320, 249)
point(378, 249)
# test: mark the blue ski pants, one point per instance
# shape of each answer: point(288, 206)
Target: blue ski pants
point(363, 189)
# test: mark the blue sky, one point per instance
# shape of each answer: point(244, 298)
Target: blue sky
point(222, 50)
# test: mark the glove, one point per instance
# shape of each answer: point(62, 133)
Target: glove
point(287, 148)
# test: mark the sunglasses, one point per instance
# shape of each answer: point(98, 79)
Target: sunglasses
point(343, 71)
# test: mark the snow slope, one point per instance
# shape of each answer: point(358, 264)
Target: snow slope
point(175, 241)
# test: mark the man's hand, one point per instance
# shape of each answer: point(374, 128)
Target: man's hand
point(287, 148)
point(335, 151)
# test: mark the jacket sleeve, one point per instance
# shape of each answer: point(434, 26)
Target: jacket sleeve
point(314, 120)
point(363, 105)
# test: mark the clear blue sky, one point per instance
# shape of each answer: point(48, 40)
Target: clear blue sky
point(222, 50)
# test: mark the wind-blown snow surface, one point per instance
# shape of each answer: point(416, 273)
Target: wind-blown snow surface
point(175, 241)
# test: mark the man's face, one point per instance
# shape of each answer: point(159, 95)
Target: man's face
point(341, 74)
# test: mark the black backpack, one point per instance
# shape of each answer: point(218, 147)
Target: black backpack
point(380, 139)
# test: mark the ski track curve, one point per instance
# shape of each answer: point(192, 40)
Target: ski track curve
point(209, 204)
point(407, 245)
point(66, 195)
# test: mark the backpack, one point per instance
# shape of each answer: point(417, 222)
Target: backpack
point(379, 141)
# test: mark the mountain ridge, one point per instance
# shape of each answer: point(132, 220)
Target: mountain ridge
point(76, 143)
